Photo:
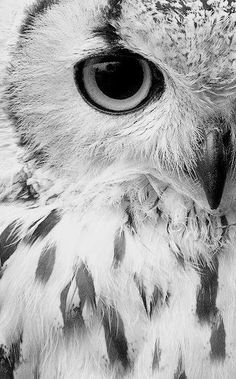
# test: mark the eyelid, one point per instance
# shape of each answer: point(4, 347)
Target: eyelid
point(115, 52)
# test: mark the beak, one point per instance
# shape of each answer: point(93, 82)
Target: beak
point(213, 164)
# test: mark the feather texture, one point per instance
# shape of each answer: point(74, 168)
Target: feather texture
point(113, 264)
point(162, 308)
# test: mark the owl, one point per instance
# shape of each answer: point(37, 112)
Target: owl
point(118, 223)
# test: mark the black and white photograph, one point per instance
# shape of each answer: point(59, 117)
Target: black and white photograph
point(117, 189)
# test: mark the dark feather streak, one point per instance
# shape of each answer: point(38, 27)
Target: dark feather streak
point(217, 340)
point(156, 357)
point(114, 9)
point(108, 33)
point(141, 290)
point(225, 229)
point(63, 300)
point(157, 300)
point(119, 247)
point(45, 227)
point(206, 297)
point(73, 318)
point(84, 282)
point(117, 347)
point(45, 264)
point(111, 12)
point(6, 366)
point(180, 372)
point(9, 241)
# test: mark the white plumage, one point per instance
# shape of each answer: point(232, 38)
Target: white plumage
point(117, 233)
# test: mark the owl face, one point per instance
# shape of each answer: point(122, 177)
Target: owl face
point(145, 85)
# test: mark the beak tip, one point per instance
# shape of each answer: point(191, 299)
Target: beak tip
point(214, 191)
point(214, 203)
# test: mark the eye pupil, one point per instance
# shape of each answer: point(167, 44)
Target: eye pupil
point(120, 80)
point(111, 67)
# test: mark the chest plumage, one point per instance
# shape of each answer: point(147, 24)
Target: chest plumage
point(118, 246)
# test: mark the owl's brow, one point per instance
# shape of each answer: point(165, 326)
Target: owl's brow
point(111, 12)
point(38, 8)
point(113, 9)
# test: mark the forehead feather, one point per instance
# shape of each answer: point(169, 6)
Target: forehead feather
point(188, 37)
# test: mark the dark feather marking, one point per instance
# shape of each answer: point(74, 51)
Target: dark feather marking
point(84, 282)
point(168, 9)
point(27, 192)
point(117, 347)
point(157, 300)
point(143, 296)
point(225, 229)
point(45, 264)
point(180, 259)
point(130, 222)
point(155, 206)
point(15, 353)
point(108, 33)
point(6, 366)
point(187, 218)
point(37, 9)
point(63, 300)
point(74, 319)
point(130, 218)
point(114, 9)
point(208, 312)
point(206, 297)
point(209, 231)
point(156, 202)
point(180, 373)
point(167, 299)
point(183, 375)
point(198, 221)
point(119, 247)
point(156, 357)
point(206, 6)
point(141, 289)
point(9, 241)
point(217, 340)
point(35, 223)
point(111, 12)
point(45, 227)
point(168, 225)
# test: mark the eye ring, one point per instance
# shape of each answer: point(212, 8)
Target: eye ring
point(119, 83)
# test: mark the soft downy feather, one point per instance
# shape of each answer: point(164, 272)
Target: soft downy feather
point(107, 285)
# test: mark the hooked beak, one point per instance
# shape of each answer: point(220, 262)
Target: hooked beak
point(213, 164)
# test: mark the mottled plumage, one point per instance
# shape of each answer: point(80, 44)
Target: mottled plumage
point(117, 227)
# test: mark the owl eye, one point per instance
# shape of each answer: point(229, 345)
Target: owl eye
point(117, 83)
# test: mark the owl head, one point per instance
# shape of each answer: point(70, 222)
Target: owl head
point(134, 85)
